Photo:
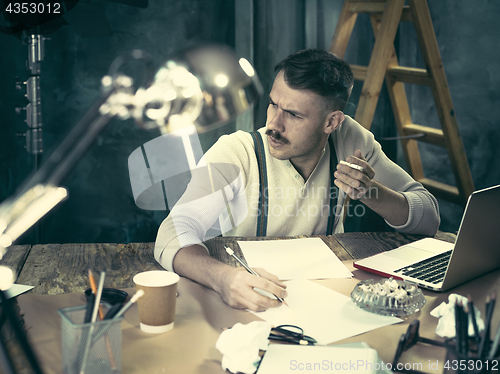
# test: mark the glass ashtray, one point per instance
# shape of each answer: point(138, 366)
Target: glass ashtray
point(388, 297)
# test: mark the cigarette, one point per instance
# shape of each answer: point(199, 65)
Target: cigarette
point(354, 166)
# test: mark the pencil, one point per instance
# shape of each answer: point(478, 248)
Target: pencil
point(472, 312)
point(98, 297)
point(458, 328)
point(486, 332)
point(249, 269)
point(492, 309)
point(134, 298)
point(465, 328)
point(93, 287)
point(494, 346)
point(93, 319)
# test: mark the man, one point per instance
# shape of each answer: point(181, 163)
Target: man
point(305, 131)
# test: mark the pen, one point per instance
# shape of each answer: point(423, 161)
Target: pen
point(354, 166)
point(494, 346)
point(98, 296)
point(490, 304)
point(90, 308)
point(472, 312)
point(458, 328)
point(249, 269)
point(92, 320)
point(93, 287)
point(134, 298)
point(112, 311)
point(465, 328)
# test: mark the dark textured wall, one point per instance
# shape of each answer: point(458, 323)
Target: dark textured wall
point(101, 207)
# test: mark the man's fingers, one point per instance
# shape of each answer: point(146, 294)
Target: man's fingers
point(350, 180)
point(239, 291)
point(240, 302)
point(359, 159)
point(355, 183)
point(269, 286)
point(353, 193)
point(273, 278)
point(359, 154)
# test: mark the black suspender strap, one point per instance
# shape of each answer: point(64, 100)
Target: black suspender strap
point(260, 153)
point(334, 191)
point(263, 203)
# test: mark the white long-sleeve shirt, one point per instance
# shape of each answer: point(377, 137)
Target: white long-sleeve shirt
point(296, 206)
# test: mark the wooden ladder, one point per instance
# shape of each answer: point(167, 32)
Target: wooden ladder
point(385, 17)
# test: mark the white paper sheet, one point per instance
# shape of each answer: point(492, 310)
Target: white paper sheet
point(284, 359)
point(324, 314)
point(16, 290)
point(306, 258)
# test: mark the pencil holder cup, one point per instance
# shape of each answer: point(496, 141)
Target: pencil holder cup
point(90, 348)
point(467, 363)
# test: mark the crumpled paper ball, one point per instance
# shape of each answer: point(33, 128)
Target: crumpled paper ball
point(446, 314)
point(240, 346)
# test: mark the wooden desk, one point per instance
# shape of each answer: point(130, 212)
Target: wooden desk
point(200, 314)
point(62, 268)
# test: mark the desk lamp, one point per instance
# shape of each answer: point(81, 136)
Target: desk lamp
point(200, 88)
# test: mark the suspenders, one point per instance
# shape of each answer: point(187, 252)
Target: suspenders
point(263, 204)
point(334, 191)
point(260, 152)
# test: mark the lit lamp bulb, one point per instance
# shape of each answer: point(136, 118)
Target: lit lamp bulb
point(211, 85)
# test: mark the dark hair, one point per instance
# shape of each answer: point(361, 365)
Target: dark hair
point(319, 71)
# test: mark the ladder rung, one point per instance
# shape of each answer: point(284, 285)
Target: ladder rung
point(432, 135)
point(398, 73)
point(367, 6)
point(359, 72)
point(410, 75)
point(442, 190)
point(377, 7)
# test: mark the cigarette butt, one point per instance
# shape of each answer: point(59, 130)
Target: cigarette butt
point(354, 166)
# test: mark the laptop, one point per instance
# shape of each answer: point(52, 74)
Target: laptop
point(438, 265)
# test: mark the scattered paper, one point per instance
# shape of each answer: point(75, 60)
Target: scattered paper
point(446, 314)
point(283, 359)
point(307, 258)
point(324, 314)
point(16, 290)
point(240, 346)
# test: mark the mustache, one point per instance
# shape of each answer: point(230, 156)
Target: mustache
point(276, 135)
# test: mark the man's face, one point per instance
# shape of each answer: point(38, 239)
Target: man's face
point(295, 122)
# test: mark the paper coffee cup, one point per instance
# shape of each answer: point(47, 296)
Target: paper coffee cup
point(157, 306)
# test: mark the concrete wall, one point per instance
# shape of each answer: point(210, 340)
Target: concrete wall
point(101, 206)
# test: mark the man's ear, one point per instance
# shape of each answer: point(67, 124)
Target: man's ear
point(333, 121)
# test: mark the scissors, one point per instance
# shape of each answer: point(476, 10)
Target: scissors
point(291, 334)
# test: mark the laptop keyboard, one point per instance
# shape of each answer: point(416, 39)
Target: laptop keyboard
point(431, 270)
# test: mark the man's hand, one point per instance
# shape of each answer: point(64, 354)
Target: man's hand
point(355, 183)
point(390, 205)
point(237, 289)
point(235, 285)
